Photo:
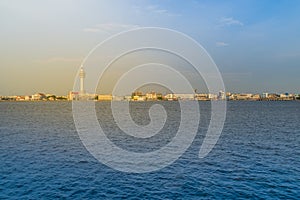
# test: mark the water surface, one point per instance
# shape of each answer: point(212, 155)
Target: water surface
point(257, 155)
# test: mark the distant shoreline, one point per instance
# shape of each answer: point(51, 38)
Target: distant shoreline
point(40, 101)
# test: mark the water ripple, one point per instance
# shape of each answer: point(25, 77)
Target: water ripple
point(257, 156)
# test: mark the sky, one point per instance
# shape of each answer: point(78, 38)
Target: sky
point(254, 43)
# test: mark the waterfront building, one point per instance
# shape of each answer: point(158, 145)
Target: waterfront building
point(73, 96)
point(153, 96)
point(27, 98)
point(20, 98)
point(201, 97)
point(185, 96)
point(222, 95)
point(240, 97)
point(38, 97)
point(212, 96)
point(138, 96)
point(287, 97)
point(171, 97)
point(265, 95)
point(105, 97)
point(273, 97)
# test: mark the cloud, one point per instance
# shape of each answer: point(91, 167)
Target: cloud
point(58, 59)
point(221, 44)
point(155, 9)
point(110, 28)
point(230, 21)
point(161, 11)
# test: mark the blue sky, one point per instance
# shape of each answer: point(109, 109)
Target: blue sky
point(254, 43)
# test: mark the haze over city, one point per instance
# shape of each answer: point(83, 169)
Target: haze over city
point(255, 44)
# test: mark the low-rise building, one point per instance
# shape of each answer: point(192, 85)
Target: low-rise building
point(202, 97)
point(139, 98)
point(39, 97)
point(27, 98)
point(265, 95)
point(151, 96)
point(20, 98)
point(170, 97)
point(212, 96)
point(273, 97)
point(105, 97)
point(185, 96)
point(287, 97)
point(72, 96)
point(222, 95)
point(241, 97)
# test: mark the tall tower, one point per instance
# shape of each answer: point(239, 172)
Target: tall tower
point(82, 76)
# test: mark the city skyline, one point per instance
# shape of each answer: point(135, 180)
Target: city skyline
point(143, 89)
point(254, 43)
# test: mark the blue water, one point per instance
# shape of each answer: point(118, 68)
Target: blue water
point(257, 156)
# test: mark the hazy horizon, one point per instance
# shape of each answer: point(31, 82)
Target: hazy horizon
point(255, 44)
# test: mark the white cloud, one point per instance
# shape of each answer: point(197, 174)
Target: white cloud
point(161, 11)
point(155, 9)
point(221, 44)
point(230, 21)
point(110, 27)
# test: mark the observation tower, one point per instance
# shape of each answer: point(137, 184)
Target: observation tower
point(82, 76)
